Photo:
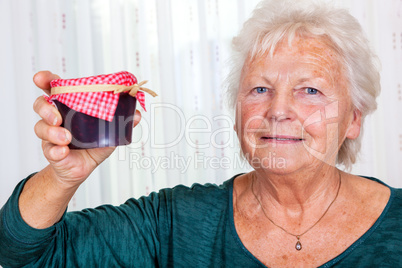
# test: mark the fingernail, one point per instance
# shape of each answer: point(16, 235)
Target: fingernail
point(61, 151)
point(52, 118)
point(58, 151)
point(64, 136)
point(68, 135)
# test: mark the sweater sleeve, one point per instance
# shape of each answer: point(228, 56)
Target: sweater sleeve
point(107, 236)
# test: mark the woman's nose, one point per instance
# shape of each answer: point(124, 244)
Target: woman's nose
point(281, 108)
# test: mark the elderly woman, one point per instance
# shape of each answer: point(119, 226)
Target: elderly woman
point(302, 82)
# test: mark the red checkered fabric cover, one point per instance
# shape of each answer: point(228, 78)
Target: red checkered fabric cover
point(97, 104)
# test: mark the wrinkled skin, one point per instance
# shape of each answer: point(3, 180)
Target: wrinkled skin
point(299, 95)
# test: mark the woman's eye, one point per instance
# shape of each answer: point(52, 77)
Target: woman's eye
point(261, 89)
point(311, 91)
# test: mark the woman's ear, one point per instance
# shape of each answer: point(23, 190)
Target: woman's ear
point(354, 127)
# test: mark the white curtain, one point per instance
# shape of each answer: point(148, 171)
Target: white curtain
point(181, 47)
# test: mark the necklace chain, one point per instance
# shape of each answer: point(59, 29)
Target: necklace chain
point(298, 244)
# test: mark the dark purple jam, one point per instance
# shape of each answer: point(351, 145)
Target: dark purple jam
point(91, 132)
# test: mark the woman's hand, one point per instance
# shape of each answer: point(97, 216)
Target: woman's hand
point(46, 195)
point(72, 167)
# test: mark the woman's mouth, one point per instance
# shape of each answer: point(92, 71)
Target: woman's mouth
point(282, 139)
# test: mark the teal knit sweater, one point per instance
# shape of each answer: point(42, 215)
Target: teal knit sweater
point(178, 227)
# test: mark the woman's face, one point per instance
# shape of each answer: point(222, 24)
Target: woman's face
point(293, 109)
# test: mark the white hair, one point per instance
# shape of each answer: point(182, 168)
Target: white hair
point(275, 20)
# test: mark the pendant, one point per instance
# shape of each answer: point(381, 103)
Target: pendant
point(298, 244)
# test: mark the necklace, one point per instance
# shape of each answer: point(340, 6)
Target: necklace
point(298, 245)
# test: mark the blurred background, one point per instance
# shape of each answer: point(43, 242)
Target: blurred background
point(182, 48)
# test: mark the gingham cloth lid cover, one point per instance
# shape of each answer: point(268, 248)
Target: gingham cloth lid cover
point(97, 104)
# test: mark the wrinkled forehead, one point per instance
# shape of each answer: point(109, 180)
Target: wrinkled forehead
point(322, 46)
point(318, 51)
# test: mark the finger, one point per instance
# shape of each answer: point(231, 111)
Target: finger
point(54, 153)
point(55, 135)
point(47, 111)
point(137, 117)
point(42, 80)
